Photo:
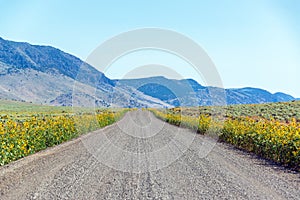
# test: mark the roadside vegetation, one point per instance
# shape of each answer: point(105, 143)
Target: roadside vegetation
point(271, 131)
point(283, 111)
point(26, 128)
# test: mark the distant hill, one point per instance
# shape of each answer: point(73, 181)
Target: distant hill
point(173, 92)
point(280, 97)
point(47, 75)
point(190, 93)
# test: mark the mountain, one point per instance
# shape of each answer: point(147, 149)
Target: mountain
point(171, 91)
point(47, 59)
point(188, 92)
point(283, 97)
point(44, 74)
point(47, 75)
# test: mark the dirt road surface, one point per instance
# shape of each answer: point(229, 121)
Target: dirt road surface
point(141, 157)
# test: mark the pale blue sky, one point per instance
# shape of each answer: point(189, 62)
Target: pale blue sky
point(252, 43)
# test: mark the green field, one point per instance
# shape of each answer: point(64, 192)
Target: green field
point(22, 110)
point(16, 107)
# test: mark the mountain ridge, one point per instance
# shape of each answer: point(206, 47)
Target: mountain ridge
point(192, 91)
point(45, 74)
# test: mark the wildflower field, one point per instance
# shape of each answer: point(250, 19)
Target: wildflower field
point(274, 136)
point(26, 128)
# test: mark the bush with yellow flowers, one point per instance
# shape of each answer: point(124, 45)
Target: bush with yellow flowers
point(201, 124)
point(19, 138)
point(270, 139)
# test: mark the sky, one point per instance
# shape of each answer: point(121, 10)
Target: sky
point(252, 43)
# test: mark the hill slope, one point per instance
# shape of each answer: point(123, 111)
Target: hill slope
point(43, 74)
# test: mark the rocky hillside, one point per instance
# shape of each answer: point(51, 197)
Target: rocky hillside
point(43, 74)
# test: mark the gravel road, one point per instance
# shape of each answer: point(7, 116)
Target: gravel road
point(141, 157)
